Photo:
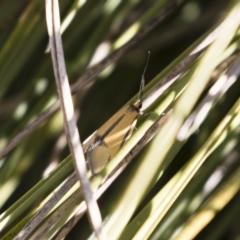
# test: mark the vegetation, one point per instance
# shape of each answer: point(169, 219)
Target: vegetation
point(177, 177)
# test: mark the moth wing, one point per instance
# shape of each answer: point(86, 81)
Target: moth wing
point(116, 130)
point(98, 158)
point(121, 132)
point(105, 127)
point(86, 144)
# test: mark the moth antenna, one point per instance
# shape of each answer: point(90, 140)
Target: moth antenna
point(142, 84)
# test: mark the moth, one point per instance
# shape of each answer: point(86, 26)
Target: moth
point(103, 144)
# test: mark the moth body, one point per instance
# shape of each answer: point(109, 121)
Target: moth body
point(108, 139)
point(103, 144)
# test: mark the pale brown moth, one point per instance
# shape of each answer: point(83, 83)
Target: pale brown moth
point(103, 144)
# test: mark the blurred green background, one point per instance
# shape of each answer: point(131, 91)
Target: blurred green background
point(27, 85)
